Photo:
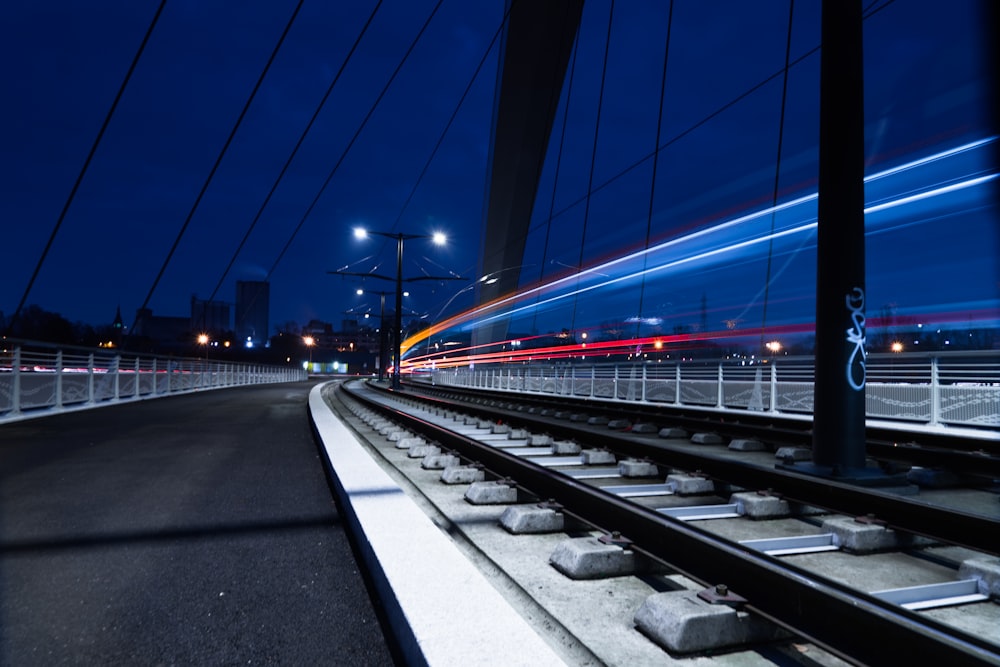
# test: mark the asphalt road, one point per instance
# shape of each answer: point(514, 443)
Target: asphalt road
point(189, 530)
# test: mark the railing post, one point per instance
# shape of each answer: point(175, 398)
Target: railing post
point(90, 376)
point(135, 393)
point(59, 379)
point(719, 397)
point(677, 384)
point(614, 385)
point(593, 379)
point(773, 402)
point(642, 394)
point(117, 362)
point(15, 369)
point(935, 393)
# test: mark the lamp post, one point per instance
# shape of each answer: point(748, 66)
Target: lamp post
point(203, 341)
point(381, 332)
point(309, 342)
point(439, 239)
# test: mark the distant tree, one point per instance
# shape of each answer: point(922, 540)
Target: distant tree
point(35, 323)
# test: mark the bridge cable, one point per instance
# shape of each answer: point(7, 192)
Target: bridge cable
point(288, 162)
point(706, 119)
point(454, 114)
point(593, 158)
point(86, 165)
point(218, 161)
point(656, 160)
point(871, 10)
point(558, 167)
point(777, 170)
point(350, 144)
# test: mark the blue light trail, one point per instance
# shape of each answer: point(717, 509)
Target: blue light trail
point(930, 195)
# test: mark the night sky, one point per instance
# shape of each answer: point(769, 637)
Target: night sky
point(927, 86)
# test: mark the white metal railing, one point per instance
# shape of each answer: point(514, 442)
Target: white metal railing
point(956, 389)
point(37, 380)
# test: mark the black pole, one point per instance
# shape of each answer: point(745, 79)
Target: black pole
point(381, 337)
point(839, 409)
point(398, 328)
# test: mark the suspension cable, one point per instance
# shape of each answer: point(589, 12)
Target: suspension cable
point(593, 154)
point(558, 167)
point(454, 114)
point(354, 138)
point(777, 170)
point(218, 161)
point(295, 150)
point(86, 164)
point(656, 160)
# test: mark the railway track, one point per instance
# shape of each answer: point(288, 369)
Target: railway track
point(771, 560)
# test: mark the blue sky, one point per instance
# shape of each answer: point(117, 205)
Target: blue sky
point(926, 88)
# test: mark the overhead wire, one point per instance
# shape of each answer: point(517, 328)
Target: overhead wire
point(86, 165)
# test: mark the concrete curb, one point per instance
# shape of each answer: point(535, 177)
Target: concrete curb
point(441, 608)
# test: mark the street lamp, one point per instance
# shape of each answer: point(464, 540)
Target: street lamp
point(203, 341)
point(439, 239)
point(309, 342)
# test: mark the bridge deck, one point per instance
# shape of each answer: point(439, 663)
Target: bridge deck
point(195, 529)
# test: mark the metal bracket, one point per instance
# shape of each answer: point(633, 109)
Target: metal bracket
point(870, 520)
point(721, 594)
point(616, 539)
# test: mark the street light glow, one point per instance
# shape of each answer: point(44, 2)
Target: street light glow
point(360, 233)
point(439, 238)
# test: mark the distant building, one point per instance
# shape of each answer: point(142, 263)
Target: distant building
point(252, 307)
point(209, 316)
point(167, 332)
point(117, 327)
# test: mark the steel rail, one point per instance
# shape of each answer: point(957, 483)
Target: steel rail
point(853, 625)
point(901, 513)
point(978, 456)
